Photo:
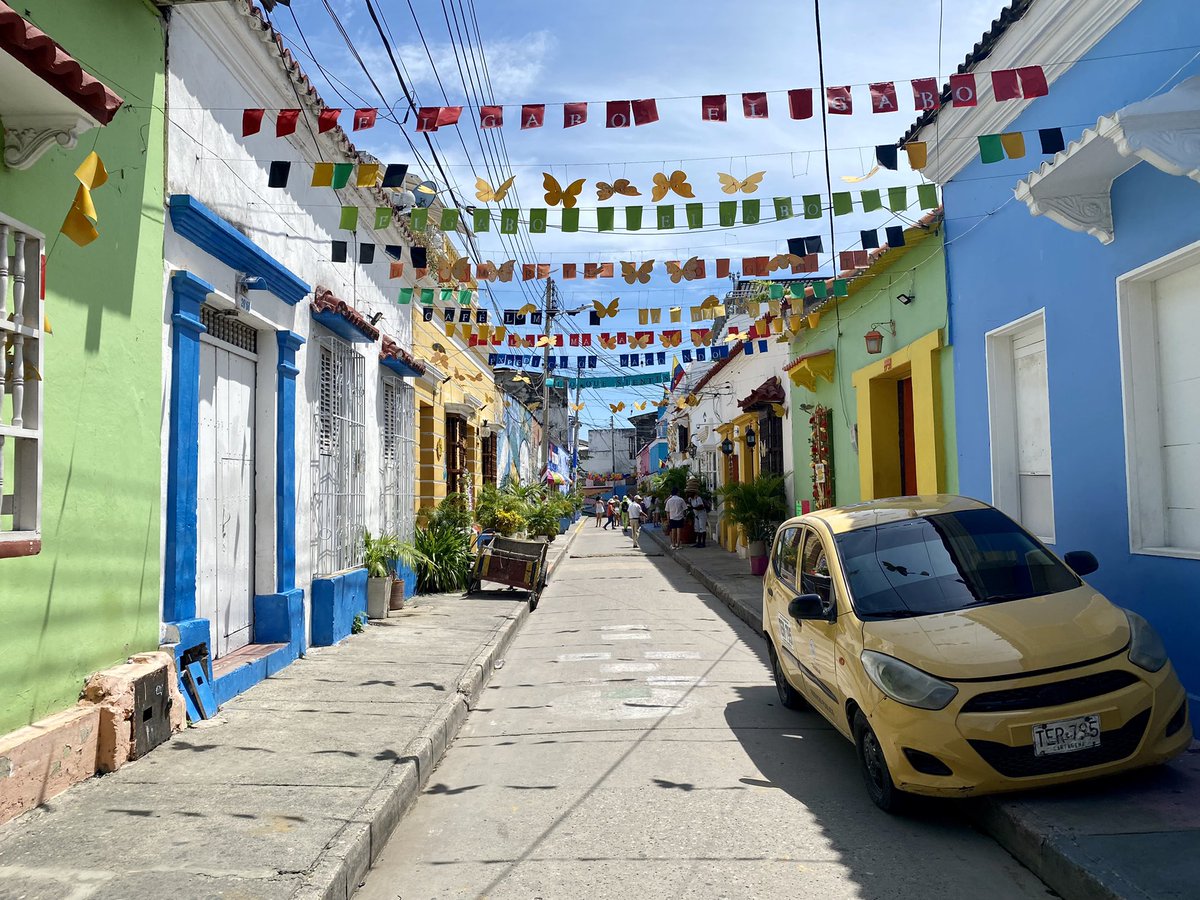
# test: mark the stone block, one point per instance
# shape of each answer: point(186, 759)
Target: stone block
point(42, 760)
point(113, 692)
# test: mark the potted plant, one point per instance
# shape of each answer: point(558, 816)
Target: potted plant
point(441, 555)
point(379, 554)
point(543, 521)
point(758, 507)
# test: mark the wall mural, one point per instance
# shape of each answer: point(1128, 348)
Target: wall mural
point(515, 450)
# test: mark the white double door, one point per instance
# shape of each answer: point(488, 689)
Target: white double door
point(225, 494)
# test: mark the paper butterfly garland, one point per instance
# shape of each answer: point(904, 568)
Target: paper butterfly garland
point(604, 190)
point(689, 271)
point(485, 192)
point(783, 261)
point(617, 407)
point(556, 193)
point(641, 340)
point(731, 185)
point(524, 379)
point(503, 272)
point(632, 272)
point(709, 302)
point(640, 406)
point(608, 343)
point(603, 311)
point(526, 309)
point(577, 406)
point(677, 182)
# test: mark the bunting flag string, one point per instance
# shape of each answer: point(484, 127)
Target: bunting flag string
point(1026, 82)
point(79, 225)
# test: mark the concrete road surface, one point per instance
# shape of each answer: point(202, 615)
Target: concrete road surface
point(632, 746)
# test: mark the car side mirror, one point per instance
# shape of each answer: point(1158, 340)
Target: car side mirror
point(1082, 561)
point(807, 606)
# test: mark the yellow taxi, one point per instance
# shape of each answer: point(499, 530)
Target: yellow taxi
point(959, 654)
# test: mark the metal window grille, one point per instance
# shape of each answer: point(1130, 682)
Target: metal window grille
point(339, 458)
point(398, 457)
point(21, 388)
point(456, 446)
point(489, 459)
point(771, 435)
point(226, 327)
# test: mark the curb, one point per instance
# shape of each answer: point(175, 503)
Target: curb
point(751, 617)
point(345, 861)
point(1051, 857)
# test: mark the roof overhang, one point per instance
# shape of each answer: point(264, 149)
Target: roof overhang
point(1075, 188)
point(805, 370)
point(48, 99)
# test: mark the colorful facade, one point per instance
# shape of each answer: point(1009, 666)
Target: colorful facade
point(877, 424)
point(81, 398)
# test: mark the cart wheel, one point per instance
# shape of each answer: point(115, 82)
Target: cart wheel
point(535, 595)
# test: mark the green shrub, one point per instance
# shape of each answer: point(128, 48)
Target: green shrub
point(441, 556)
point(379, 553)
point(506, 523)
point(758, 506)
point(543, 520)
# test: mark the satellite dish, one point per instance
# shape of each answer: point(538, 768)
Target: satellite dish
point(406, 199)
point(425, 193)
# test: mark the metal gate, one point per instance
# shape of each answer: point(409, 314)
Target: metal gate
point(338, 458)
point(397, 470)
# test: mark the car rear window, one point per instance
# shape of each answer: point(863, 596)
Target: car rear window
point(946, 562)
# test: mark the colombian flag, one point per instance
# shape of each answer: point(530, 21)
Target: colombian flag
point(676, 371)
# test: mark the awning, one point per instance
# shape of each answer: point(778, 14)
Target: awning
point(341, 318)
point(399, 360)
point(1074, 189)
point(48, 98)
point(554, 478)
point(770, 391)
point(804, 370)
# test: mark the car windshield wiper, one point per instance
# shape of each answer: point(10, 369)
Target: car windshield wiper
point(893, 613)
point(996, 598)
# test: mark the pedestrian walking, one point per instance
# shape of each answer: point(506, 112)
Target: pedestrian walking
point(700, 514)
point(600, 509)
point(635, 518)
point(611, 508)
point(625, 513)
point(676, 510)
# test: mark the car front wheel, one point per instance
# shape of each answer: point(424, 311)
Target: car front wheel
point(788, 695)
point(876, 775)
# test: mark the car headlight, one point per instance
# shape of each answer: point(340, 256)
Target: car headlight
point(1146, 650)
point(906, 684)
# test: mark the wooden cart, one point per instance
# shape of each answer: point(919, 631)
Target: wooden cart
point(517, 563)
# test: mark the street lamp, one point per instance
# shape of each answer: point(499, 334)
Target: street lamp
point(874, 338)
point(727, 446)
point(751, 439)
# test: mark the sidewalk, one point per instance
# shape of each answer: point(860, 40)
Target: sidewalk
point(294, 788)
point(1135, 836)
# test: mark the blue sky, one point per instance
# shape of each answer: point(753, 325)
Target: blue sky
point(538, 52)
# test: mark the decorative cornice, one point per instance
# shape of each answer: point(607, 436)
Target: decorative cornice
point(26, 139)
point(193, 220)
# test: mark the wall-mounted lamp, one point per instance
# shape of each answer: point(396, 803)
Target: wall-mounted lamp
point(905, 298)
point(751, 438)
point(727, 446)
point(874, 338)
point(375, 318)
point(250, 283)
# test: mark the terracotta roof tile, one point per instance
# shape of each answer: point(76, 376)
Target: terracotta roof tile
point(325, 301)
point(390, 349)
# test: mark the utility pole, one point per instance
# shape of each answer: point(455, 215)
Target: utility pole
point(612, 437)
point(575, 437)
point(546, 376)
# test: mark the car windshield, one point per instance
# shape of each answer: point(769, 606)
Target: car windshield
point(944, 563)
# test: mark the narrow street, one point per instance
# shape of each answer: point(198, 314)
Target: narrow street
point(633, 744)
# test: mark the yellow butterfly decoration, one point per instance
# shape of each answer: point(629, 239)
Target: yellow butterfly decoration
point(855, 179)
point(632, 272)
point(544, 341)
point(503, 272)
point(782, 261)
point(640, 406)
point(681, 403)
point(731, 185)
point(640, 342)
point(677, 182)
point(438, 358)
point(689, 271)
point(779, 409)
point(710, 301)
point(671, 338)
point(556, 193)
point(486, 193)
point(617, 407)
point(702, 336)
point(608, 343)
point(577, 406)
point(461, 270)
point(524, 379)
point(605, 311)
point(604, 190)
point(663, 402)
point(526, 309)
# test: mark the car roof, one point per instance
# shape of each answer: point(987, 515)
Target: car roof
point(840, 519)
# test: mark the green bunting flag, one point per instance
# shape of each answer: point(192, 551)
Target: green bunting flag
point(727, 213)
point(927, 196)
point(898, 199)
point(509, 219)
point(695, 215)
point(419, 218)
point(483, 219)
point(843, 205)
point(604, 218)
point(775, 291)
point(812, 206)
point(783, 208)
point(796, 290)
point(449, 220)
point(341, 174)
point(841, 287)
point(405, 295)
point(447, 295)
point(427, 296)
point(871, 201)
point(349, 220)
point(750, 211)
point(991, 149)
point(666, 217)
point(464, 298)
point(570, 220)
point(383, 217)
point(819, 290)
point(633, 218)
point(537, 221)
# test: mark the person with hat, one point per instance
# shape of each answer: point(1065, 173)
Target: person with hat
point(699, 508)
point(635, 517)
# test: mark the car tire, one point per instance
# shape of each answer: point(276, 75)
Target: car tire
point(873, 765)
point(789, 697)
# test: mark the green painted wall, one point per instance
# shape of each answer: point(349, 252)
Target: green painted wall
point(92, 596)
point(920, 272)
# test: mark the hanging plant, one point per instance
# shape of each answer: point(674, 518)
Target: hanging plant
point(821, 452)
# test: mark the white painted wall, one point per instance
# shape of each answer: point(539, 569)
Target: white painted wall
point(218, 65)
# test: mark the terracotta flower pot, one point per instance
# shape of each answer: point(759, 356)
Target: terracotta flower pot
point(397, 599)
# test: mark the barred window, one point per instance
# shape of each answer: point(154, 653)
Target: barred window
point(339, 462)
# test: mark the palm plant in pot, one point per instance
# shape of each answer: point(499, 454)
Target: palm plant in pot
point(379, 554)
point(543, 520)
point(758, 507)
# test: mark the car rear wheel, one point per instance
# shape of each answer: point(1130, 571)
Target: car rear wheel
point(788, 695)
point(878, 778)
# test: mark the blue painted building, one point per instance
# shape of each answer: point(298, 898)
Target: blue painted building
point(1074, 293)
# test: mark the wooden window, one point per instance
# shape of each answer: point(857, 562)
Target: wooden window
point(489, 459)
point(770, 432)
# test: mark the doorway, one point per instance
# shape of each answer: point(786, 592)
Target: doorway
point(908, 437)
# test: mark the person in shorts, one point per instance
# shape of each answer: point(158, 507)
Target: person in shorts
point(676, 509)
point(635, 518)
point(600, 510)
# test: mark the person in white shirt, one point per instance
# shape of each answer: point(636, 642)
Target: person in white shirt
point(676, 509)
point(700, 512)
point(635, 517)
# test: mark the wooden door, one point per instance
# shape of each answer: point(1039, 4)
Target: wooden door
point(908, 437)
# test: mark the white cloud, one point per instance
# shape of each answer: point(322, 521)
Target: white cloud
point(513, 64)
